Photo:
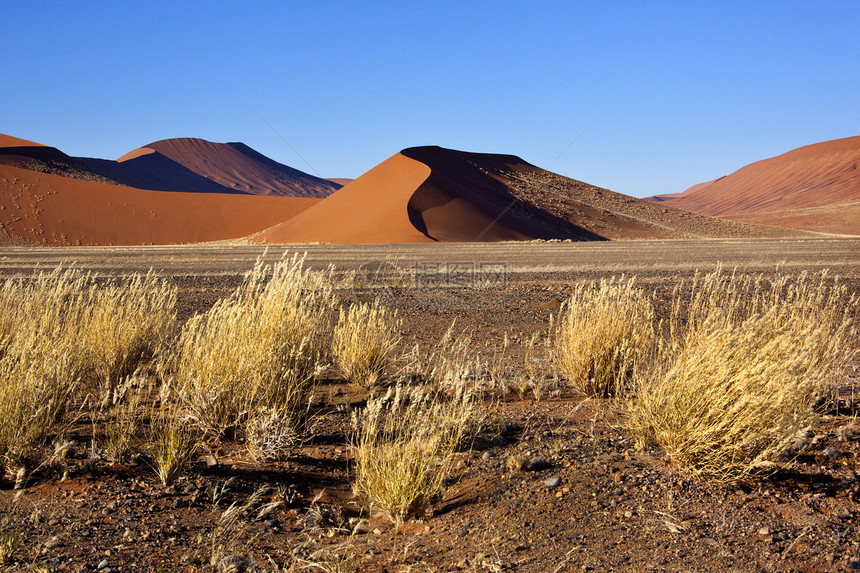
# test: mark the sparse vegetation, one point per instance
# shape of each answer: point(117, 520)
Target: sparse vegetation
point(173, 441)
point(63, 331)
point(257, 349)
point(122, 419)
point(364, 342)
point(601, 335)
point(404, 443)
point(405, 453)
point(742, 371)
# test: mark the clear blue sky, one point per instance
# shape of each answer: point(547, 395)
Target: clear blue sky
point(681, 92)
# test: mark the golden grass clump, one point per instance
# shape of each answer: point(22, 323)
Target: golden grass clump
point(256, 349)
point(36, 386)
point(601, 334)
point(125, 324)
point(107, 329)
point(742, 371)
point(403, 446)
point(174, 440)
point(364, 342)
point(63, 331)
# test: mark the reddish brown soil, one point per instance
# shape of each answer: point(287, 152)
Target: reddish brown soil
point(615, 507)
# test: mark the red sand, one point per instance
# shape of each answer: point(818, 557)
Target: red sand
point(779, 190)
point(371, 209)
point(428, 194)
point(237, 167)
point(434, 195)
point(47, 209)
point(9, 141)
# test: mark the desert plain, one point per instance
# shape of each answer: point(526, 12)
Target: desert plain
point(588, 499)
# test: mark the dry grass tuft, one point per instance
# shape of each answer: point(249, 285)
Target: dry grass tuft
point(126, 324)
point(364, 341)
point(174, 440)
point(600, 336)
point(405, 441)
point(257, 349)
point(63, 331)
point(741, 375)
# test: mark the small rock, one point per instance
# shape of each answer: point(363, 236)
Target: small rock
point(102, 564)
point(801, 443)
point(552, 482)
point(537, 464)
point(764, 531)
point(628, 514)
point(179, 503)
point(273, 523)
point(487, 455)
point(211, 460)
point(236, 564)
point(512, 427)
point(854, 565)
point(831, 453)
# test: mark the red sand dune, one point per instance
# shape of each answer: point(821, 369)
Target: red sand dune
point(42, 208)
point(426, 194)
point(10, 141)
point(810, 187)
point(233, 167)
point(422, 194)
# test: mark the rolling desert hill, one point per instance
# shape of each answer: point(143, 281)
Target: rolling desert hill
point(815, 187)
point(429, 194)
point(190, 164)
point(16, 152)
point(50, 198)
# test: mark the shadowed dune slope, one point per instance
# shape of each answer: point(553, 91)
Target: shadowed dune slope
point(234, 167)
point(16, 152)
point(147, 169)
point(815, 187)
point(48, 209)
point(428, 194)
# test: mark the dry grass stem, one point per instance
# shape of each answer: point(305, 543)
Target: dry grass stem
point(404, 443)
point(174, 440)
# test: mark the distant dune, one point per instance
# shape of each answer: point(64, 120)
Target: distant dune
point(816, 187)
point(192, 190)
point(47, 209)
point(232, 167)
point(428, 194)
point(10, 141)
point(50, 198)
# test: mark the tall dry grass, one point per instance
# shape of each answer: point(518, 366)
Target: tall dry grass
point(742, 370)
point(256, 349)
point(601, 335)
point(364, 342)
point(173, 441)
point(403, 446)
point(63, 332)
point(404, 442)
